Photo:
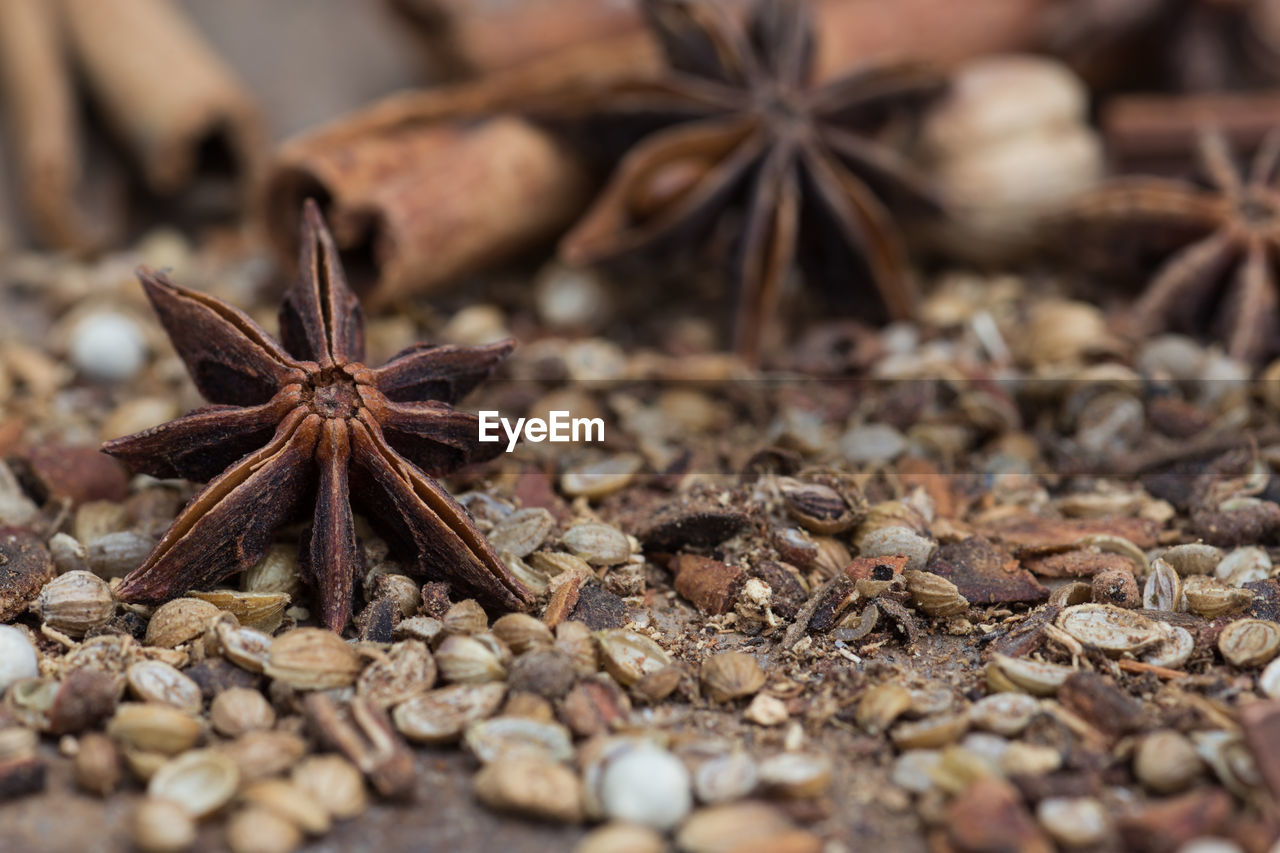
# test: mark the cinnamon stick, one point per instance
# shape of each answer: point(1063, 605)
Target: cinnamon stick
point(40, 102)
point(476, 36)
point(417, 205)
point(1160, 132)
point(374, 168)
point(174, 103)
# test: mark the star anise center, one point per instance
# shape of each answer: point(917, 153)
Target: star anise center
point(1258, 208)
point(334, 393)
point(783, 110)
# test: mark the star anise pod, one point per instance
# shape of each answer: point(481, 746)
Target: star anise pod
point(1188, 45)
point(1221, 277)
point(744, 138)
point(304, 420)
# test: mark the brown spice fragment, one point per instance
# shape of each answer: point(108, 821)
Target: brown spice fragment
point(1099, 702)
point(1164, 826)
point(1028, 534)
point(598, 609)
point(788, 593)
point(1248, 525)
point(565, 589)
point(829, 604)
point(709, 584)
point(1074, 564)
point(679, 526)
point(595, 706)
point(1261, 724)
point(364, 734)
point(984, 573)
point(25, 567)
point(72, 473)
point(1025, 637)
point(86, 698)
point(876, 568)
point(989, 816)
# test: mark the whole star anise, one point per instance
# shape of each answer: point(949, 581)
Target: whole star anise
point(305, 420)
point(1221, 278)
point(743, 135)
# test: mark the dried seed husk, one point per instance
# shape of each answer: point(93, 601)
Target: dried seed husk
point(1117, 545)
point(247, 648)
point(75, 602)
point(512, 737)
point(934, 594)
point(725, 778)
point(142, 763)
point(1070, 594)
point(465, 659)
point(598, 544)
point(622, 837)
point(277, 571)
point(260, 830)
point(465, 617)
point(1166, 762)
point(1212, 598)
point(442, 715)
point(795, 775)
point(290, 802)
point(1005, 714)
point(262, 754)
point(1269, 680)
point(407, 670)
point(930, 733)
point(629, 656)
point(261, 610)
point(180, 621)
point(522, 632)
point(239, 710)
point(153, 681)
point(731, 675)
point(1243, 565)
point(151, 727)
point(1193, 559)
point(1231, 760)
point(599, 479)
point(734, 826)
point(1249, 642)
point(532, 787)
point(817, 507)
point(536, 581)
point(333, 782)
point(1111, 629)
point(880, 705)
point(552, 564)
point(523, 531)
point(574, 640)
point(162, 826)
point(201, 781)
point(1036, 677)
point(1174, 648)
point(895, 541)
point(424, 628)
point(312, 659)
point(97, 764)
point(1163, 588)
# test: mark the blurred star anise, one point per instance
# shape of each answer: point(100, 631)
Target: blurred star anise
point(1222, 278)
point(741, 137)
point(307, 421)
point(1189, 45)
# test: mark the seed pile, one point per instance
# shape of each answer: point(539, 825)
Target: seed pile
point(1028, 602)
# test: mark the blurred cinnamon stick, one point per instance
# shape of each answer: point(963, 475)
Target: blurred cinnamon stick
point(415, 206)
point(1160, 132)
point(510, 184)
point(479, 37)
point(174, 103)
point(40, 102)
